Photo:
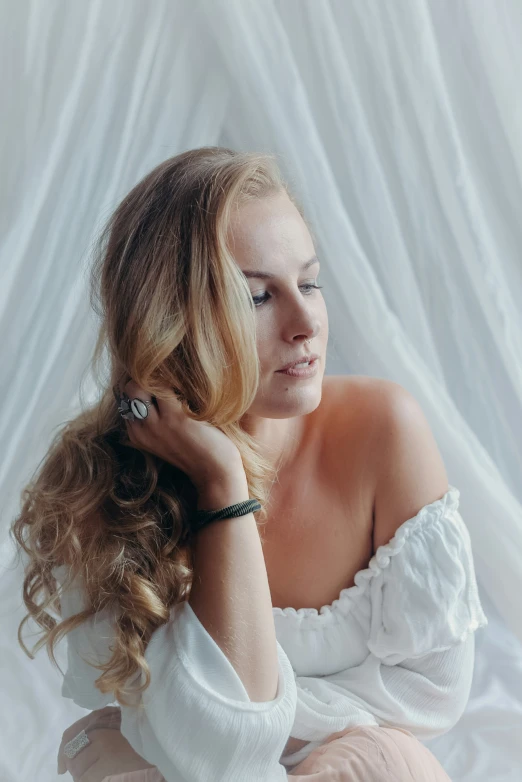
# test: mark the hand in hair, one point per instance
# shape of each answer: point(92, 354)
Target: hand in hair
point(200, 450)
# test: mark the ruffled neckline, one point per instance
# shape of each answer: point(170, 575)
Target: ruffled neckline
point(379, 561)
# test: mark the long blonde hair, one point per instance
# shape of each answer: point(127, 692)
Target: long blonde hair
point(175, 311)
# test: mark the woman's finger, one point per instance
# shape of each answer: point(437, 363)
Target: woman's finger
point(109, 717)
point(83, 762)
point(68, 735)
point(125, 395)
point(111, 754)
point(134, 391)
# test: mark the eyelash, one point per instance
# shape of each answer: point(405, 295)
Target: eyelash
point(263, 299)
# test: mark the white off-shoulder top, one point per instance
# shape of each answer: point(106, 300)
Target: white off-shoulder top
point(395, 649)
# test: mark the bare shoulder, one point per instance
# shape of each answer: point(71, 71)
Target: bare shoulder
point(381, 404)
point(410, 471)
point(379, 386)
point(389, 429)
point(359, 398)
point(352, 420)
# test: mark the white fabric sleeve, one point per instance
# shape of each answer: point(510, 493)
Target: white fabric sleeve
point(425, 608)
point(198, 722)
point(195, 721)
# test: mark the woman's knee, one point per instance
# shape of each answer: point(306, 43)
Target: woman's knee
point(377, 752)
point(371, 732)
point(405, 755)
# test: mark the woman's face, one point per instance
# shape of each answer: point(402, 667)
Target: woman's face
point(269, 236)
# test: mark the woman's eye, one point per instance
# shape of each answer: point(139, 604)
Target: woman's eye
point(260, 299)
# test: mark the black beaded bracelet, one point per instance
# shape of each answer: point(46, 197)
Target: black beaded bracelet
point(203, 517)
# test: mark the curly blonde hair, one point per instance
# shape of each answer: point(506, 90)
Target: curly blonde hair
point(175, 311)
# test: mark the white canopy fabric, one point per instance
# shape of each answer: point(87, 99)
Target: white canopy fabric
point(398, 126)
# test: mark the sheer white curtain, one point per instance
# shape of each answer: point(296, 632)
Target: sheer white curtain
point(398, 125)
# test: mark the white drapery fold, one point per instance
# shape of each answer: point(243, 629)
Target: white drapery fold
point(398, 126)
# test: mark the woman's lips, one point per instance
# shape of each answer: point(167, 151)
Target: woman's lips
point(294, 371)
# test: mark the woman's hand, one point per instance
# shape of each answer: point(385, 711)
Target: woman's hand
point(200, 450)
point(109, 717)
point(108, 753)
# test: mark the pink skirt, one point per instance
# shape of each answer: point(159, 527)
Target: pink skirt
point(362, 754)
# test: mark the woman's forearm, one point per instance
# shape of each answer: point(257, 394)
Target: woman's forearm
point(230, 593)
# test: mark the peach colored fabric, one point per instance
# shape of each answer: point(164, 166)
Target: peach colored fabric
point(362, 754)
point(146, 775)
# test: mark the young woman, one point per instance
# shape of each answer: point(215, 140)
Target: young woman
point(326, 638)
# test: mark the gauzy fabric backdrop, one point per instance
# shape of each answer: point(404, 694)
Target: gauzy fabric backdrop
point(399, 126)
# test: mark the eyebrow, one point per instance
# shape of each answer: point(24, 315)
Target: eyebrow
point(270, 276)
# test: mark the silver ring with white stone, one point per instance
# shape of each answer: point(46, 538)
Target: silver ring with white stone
point(140, 408)
point(76, 744)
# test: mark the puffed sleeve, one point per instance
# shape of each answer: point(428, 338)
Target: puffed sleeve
point(425, 608)
point(198, 722)
point(195, 721)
